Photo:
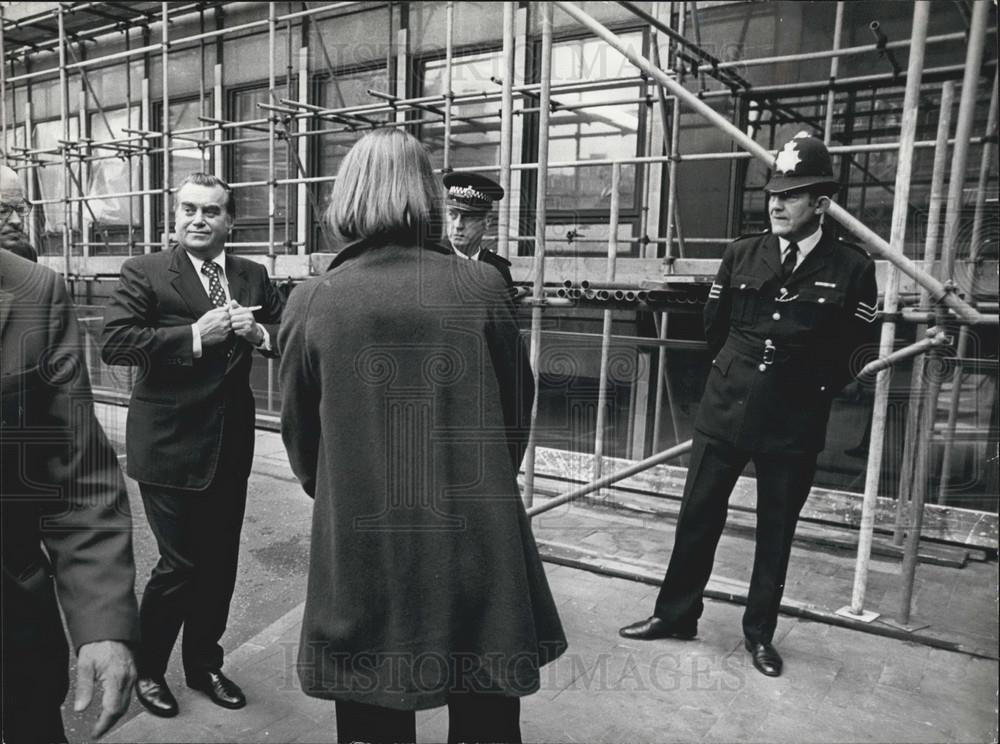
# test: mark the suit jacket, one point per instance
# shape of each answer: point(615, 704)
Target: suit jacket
point(179, 404)
point(815, 325)
point(60, 483)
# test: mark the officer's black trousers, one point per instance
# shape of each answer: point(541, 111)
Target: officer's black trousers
point(783, 483)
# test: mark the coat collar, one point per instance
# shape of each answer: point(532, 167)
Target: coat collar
point(359, 247)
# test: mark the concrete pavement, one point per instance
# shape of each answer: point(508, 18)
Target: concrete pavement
point(839, 685)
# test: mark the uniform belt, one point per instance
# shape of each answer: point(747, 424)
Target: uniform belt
point(766, 351)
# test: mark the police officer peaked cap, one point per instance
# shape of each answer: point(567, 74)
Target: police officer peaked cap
point(471, 192)
point(802, 163)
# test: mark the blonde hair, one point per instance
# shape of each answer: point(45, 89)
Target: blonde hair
point(385, 185)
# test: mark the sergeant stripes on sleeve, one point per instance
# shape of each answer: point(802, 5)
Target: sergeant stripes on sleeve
point(713, 293)
point(866, 312)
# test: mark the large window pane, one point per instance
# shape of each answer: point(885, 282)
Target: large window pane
point(592, 125)
point(475, 126)
point(51, 174)
point(114, 174)
point(251, 160)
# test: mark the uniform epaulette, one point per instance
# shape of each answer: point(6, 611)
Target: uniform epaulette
point(856, 246)
point(745, 236)
point(491, 256)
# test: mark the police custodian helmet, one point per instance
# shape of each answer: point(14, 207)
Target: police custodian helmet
point(804, 162)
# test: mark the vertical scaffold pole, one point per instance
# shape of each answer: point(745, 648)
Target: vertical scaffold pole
point(64, 117)
point(670, 142)
point(272, 179)
point(602, 392)
point(145, 121)
point(3, 90)
point(963, 334)
point(506, 129)
point(838, 31)
point(165, 138)
point(449, 32)
point(963, 131)
point(917, 381)
point(545, 78)
point(900, 211)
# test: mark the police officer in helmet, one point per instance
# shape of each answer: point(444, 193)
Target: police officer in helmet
point(785, 319)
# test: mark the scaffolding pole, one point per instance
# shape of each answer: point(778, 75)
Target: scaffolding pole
point(916, 389)
point(602, 392)
point(900, 212)
point(869, 238)
point(963, 131)
point(539, 263)
point(506, 130)
point(963, 334)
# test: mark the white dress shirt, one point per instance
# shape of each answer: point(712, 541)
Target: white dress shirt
point(805, 246)
point(473, 257)
point(205, 282)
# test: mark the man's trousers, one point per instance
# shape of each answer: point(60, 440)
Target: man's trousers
point(783, 483)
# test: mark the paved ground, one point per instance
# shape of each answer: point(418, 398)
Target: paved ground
point(840, 685)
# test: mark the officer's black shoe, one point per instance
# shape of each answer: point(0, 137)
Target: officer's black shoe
point(220, 689)
point(765, 657)
point(156, 697)
point(653, 627)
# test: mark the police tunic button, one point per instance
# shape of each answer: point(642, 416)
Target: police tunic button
point(822, 388)
point(762, 367)
point(743, 286)
point(776, 316)
point(821, 299)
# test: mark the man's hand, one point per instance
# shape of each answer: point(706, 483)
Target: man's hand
point(243, 323)
point(109, 663)
point(214, 326)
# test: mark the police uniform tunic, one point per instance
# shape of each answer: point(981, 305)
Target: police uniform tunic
point(781, 350)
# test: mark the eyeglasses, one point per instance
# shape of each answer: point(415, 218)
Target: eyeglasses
point(23, 209)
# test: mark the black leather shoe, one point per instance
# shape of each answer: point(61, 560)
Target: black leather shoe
point(652, 628)
point(220, 689)
point(157, 698)
point(765, 657)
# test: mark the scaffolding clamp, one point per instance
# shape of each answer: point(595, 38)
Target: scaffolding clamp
point(883, 51)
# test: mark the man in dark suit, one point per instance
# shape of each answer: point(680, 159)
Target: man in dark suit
point(469, 202)
point(786, 316)
point(189, 319)
point(65, 515)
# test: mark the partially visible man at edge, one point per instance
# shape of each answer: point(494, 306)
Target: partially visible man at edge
point(14, 213)
point(66, 524)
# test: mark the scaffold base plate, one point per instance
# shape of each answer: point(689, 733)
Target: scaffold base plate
point(908, 627)
point(865, 616)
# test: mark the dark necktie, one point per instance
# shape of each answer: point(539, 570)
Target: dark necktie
point(788, 265)
point(215, 291)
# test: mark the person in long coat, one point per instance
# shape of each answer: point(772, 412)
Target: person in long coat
point(406, 401)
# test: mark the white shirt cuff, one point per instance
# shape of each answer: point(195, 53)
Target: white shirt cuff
point(264, 345)
point(196, 348)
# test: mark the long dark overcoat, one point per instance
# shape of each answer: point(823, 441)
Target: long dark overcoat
point(406, 396)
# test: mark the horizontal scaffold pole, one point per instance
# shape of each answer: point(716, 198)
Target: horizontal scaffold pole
point(658, 459)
